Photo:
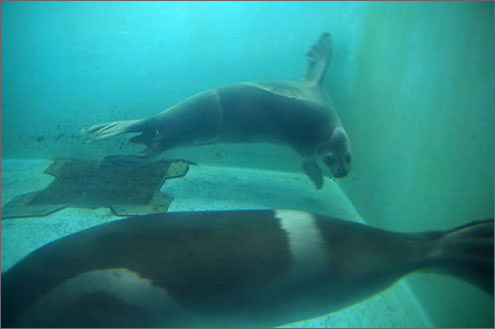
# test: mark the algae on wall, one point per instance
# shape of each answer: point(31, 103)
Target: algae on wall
point(419, 112)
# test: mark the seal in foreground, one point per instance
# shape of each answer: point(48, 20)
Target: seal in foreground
point(252, 268)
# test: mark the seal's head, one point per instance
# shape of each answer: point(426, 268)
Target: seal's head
point(335, 153)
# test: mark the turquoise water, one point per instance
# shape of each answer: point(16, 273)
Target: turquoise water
point(412, 83)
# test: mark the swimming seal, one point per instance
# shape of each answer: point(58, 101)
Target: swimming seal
point(296, 113)
point(253, 268)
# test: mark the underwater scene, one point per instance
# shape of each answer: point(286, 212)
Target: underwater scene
point(247, 164)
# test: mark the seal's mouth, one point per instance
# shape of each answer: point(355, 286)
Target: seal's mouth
point(339, 172)
point(338, 164)
point(335, 153)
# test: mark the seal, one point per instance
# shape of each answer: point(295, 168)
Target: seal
point(252, 268)
point(296, 113)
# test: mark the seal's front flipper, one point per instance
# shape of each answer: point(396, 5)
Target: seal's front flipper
point(109, 129)
point(313, 171)
point(318, 58)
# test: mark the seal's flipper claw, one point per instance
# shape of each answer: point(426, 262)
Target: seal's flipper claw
point(106, 130)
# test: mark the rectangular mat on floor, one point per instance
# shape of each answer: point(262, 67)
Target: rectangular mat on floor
point(86, 184)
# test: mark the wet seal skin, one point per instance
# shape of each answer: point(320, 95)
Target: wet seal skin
point(241, 268)
point(295, 113)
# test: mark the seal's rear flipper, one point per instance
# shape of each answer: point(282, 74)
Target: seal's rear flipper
point(467, 253)
point(318, 58)
point(109, 129)
point(313, 171)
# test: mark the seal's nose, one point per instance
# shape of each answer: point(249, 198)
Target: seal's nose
point(339, 172)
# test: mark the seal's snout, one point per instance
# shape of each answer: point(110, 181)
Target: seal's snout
point(345, 165)
point(340, 170)
point(336, 153)
point(339, 165)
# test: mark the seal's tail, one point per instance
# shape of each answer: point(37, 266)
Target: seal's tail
point(465, 252)
point(109, 129)
point(318, 58)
